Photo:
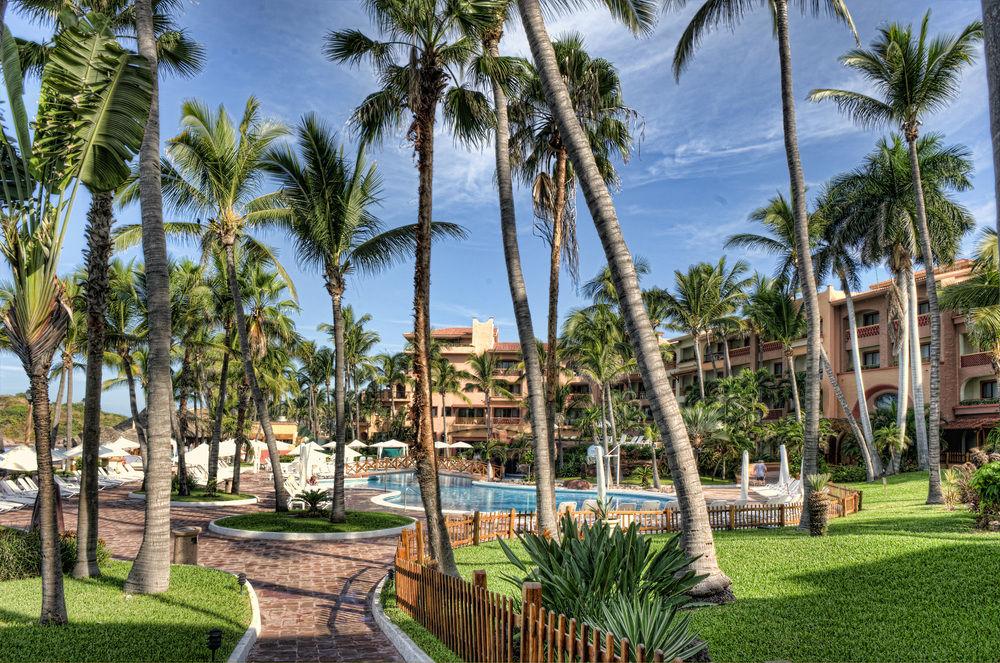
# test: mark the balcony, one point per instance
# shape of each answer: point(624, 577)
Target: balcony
point(469, 421)
point(737, 353)
point(975, 359)
point(506, 421)
point(977, 406)
point(864, 332)
point(770, 346)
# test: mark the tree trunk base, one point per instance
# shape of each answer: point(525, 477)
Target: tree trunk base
point(86, 569)
point(712, 593)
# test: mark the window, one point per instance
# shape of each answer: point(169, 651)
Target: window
point(988, 389)
point(506, 413)
point(579, 388)
point(923, 307)
point(447, 412)
point(925, 352)
point(434, 411)
point(870, 359)
point(468, 412)
point(505, 364)
point(777, 368)
point(886, 400)
point(687, 354)
point(400, 391)
point(869, 318)
point(514, 388)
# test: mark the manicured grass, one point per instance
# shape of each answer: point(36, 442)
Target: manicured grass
point(105, 625)
point(899, 581)
point(298, 521)
point(420, 636)
point(199, 495)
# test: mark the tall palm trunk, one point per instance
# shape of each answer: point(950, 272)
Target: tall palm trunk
point(68, 360)
point(97, 254)
point(991, 44)
point(903, 360)
point(696, 534)
point(934, 494)
point(58, 411)
point(425, 456)
point(726, 362)
point(868, 440)
point(698, 360)
point(182, 427)
point(150, 572)
point(916, 371)
point(263, 415)
point(335, 286)
point(656, 466)
point(243, 397)
point(444, 422)
point(220, 408)
point(140, 432)
point(311, 393)
point(552, 332)
point(790, 362)
point(53, 599)
point(806, 277)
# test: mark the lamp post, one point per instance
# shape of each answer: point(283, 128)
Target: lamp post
point(214, 641)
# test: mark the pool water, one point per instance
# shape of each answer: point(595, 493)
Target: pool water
point(461, 494)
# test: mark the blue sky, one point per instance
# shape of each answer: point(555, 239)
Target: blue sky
point(711, 148)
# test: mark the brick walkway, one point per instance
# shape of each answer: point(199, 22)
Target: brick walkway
point(313, 595)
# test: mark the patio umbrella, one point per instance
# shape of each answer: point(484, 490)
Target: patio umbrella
point(602, 486)
point(783, 476)
point(745, 477)
point(19, 459)
point(461, 445)
point(305, 452)
point(441, 445)
point(357, 444)
point(391, 444)
point(350, 455)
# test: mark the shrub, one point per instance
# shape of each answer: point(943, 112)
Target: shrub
point(847, 473)
point(978, 456)
point(986, 483)
point(21, 553)
point(653, 623)
point(312, 498)
point(644, 474)
point(957, 489)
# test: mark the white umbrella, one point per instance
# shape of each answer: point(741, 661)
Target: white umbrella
point(108, 452)
point(227, 448)
point(19, 459)
point(304, 453)
point(197, 457)
point(745, 477)
point(461, 445)
point(441, 445)
point(391, 444)
point(783, 476)
point(312, 446)
point(602, 486)
point(59, 455)
point(357, 444)
point(281, 446)
point(123, 444)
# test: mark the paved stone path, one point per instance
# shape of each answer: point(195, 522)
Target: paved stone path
point(313, 595)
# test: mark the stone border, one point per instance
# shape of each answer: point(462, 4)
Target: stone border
point(407, 648)
point(242, 649)
point(201, 505)
point(233, 533)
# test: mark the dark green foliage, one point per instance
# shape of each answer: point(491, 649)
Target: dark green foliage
point(21, 553)
point(300, 521)
point(847, 473)
point(655, 624)
point(986, 483)
point(589, 565)
point(312, 498)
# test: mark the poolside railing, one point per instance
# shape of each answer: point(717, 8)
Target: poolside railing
point(477, 468)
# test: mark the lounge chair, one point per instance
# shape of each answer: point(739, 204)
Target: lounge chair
point(628, 506)
point(650, 505)
point(11, 492)
point(590, 504)
point(566, 506)
point(718, 503)
point(6, 506)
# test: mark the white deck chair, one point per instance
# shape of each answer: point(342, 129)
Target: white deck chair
point(651, 505)
point(11, 492)
point(6, 506)
point(628, 506)
point(718, 503)
point(590, 504)
point(566, 506)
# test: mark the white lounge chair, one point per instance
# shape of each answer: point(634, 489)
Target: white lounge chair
point(11, 492)
point(6, 506)
point(567, 506)
point(650, 505)
point(718, 503)
point(590, 504)
point(628, 506)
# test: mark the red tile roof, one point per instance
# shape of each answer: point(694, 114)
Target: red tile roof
point(972, 423)
point(507, 347)
point(922, 274)
point(451, 331)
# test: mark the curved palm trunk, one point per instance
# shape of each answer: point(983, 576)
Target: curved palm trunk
point(696, 537)
point(991, 44)
point(53, 599)
point(150, 572)
point(934, 494)
point(338, 513)
point(831, 377)
point(263, 415)
point(489, 417)
point(425, 457)
point(868, 440)
point(807, 279)
point(182, 430)
point(243, 396)
point(98, 253)
point(916, 371)
point(444, 422)
point(552, 331)
point(220, 408)
point(903, 354)
point(790, 361)
point(726, 363)
point(313, 423)
point(140, 432)
point(58, 402)
point(70, 362)
point(656, 467)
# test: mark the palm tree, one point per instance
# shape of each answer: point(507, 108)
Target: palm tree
point(542, 159)
point(502, 74)
point(777, 317)
point(215, 168)
point(483, 375)
point(150, 572)
point(878, 205)
point(330, 201)
point(704, 423)
point(707, 298)
point(123, 314)
point(912, 77)
point(991, 42)
point(359, 344)
point(392, 371)
point(729, 13)
point(435, 40)
point(72, 137)
point(447, 379)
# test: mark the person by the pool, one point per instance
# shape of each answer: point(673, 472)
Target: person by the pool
point(759, 471)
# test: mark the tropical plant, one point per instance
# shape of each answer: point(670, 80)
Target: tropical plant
point(913, 76)
point(647, 621)
point(88, 125)
point(312, 499)
point(447, 379)
point(777, 317)
point(894, 439)
point(590, 566)
point(697, 540)
point(986, 484)
point(818, 504)
point(643, 474)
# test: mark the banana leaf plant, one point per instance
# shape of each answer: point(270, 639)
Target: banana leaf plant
point(92, 109)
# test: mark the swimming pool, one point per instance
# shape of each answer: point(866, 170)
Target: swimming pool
point(464, 494)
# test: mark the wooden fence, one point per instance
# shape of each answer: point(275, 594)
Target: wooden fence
point(476, 468)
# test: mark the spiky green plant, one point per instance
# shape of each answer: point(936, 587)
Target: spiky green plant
point(818, 502)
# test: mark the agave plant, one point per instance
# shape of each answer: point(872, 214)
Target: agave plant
point(655, 625)
point(93, 104)
point(818, 501)
point(590, 566)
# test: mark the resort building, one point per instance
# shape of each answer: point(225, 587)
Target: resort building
point(969, 392)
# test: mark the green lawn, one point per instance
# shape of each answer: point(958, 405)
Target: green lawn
point(423, 638)
point(105, 625)
point(898, 581)
point(199, 495)
point(298, 521)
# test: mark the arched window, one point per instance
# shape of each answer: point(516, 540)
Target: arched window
point(888, 399)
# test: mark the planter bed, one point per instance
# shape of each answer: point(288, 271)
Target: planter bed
point(296, 526)
point(198, 499)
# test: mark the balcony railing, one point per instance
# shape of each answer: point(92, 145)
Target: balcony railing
point(864, 332)
point(924, 320)
point(470, 420)
point(770, 346)
point(506, 421)
point(739, 352)
point(976, 359)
